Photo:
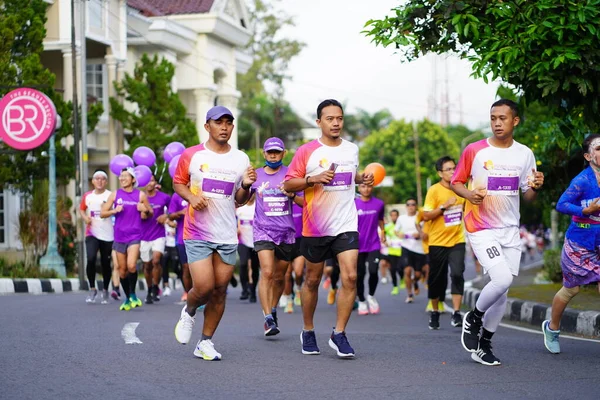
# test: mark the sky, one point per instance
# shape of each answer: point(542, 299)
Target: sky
point(340, 62)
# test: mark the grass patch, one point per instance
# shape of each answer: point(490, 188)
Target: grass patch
point(588, 298)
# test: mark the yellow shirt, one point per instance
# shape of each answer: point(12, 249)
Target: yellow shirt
point(447, 229)
point(425, 227)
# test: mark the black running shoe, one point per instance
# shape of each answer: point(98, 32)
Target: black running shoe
point(274, 314)
point(149, 298)
point(252, 297)
point(470, 332)
point(233, 281)
point(456, 319)
point(155, 296)
point(270, 327)
point(485, 355)
point(434, 320)
point(244, 295)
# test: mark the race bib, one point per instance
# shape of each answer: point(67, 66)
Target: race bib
point(218, 186)
point(342, 179)
point(276, 206)
point(246, 222)
point(503, 182)
point(453, 216)
point(95, 214)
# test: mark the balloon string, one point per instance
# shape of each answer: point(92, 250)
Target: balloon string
point(162, 172)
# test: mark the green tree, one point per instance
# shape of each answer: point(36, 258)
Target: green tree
point(462, 135)
point(394, 147)
point(272, 54)
point(547, 49)
point(21, 43)
point(360, 124)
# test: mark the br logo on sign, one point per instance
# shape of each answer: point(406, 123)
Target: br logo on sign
point(28, 118)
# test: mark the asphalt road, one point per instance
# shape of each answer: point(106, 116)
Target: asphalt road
point(59, 347)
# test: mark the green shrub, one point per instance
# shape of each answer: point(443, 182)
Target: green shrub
point(552, 268)
point(18, 270)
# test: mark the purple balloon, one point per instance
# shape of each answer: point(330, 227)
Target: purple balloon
point(143, 174)
point(173, 165)
point(144, 156)
point(173, 149)
point(119, 163)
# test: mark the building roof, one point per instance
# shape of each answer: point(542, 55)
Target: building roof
point(157, 8)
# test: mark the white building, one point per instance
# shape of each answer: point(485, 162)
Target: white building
point(204, 39)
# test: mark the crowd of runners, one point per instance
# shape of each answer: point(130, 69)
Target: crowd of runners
point(290, 228)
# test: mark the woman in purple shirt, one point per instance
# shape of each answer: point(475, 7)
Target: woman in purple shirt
point(130, 207)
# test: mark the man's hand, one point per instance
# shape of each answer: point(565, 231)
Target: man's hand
point(198, 202)
point(162, 219)
point(382, 237)
point(323, 178)
point(367, 179)
point(118, 209)
point(141, 207)
point(451, 201)
point(476, 196)
point(593, 208)
point(249, 177)
point(536, 180)
point(87, 220)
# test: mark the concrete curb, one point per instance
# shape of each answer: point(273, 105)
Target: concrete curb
point(574, 321)
point(39, 286)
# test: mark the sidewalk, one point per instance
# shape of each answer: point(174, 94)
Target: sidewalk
point(582, 322)
point(39, 286)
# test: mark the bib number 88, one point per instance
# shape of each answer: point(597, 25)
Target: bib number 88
point(492, 252)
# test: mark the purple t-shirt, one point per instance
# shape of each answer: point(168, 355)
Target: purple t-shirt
point(177, 204)
point(297, 214)
point(128, 222)
point(273, 220)
point(369, 214)
point(152, 230)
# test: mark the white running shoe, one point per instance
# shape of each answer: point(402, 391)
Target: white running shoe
point(205, 349)
point(384, 280)
point(373, 305)
point(91, 296)
point(167, 291)
point(183, 329)
point(363, 309)
point(283, 301)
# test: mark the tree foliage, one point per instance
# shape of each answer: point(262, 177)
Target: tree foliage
point(21, 43)
point(158, 116)
point(394, 147)
point(360, 124)
point(263, 104)
point(547, 49)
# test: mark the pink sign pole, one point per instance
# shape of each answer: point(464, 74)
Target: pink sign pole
point(27, 119)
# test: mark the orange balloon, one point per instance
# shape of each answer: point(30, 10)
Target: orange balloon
point(378, 172)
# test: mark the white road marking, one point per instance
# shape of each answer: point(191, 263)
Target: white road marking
point(128, 333)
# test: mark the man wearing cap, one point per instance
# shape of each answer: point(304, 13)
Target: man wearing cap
point(274, 230)
point(99, 234)
point(218, 177)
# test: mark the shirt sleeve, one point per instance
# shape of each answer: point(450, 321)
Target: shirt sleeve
point(173, 205)
point(381, 215)
point(83, 205)
point(570, 201)
point(182, 173)
point(297, 168)
point(430, 200)
point(463, 169)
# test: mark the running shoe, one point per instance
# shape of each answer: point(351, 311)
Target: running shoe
point(327, 283)
point(429, 307)
point(550, 338)
point(417, 290)
point(402, 284)
point(409, 299)
point(167, 291)
point(283, 301)
point(104, 297)
point(355, 306)
point(126, 306)
point(298, 298)
point(373, 305)
point(470, 332)
point(201, 308)
point(339, 342)
point(309, 343)
point(456, 319)
point(484, 355)
point(183, 329)
point(274, 314)
point(149, 298)
point(384, 280)
point(205, 349)
point(434, 320)
point(252, 298)
point(233, 281)
point(155, 293)
point(363, 309)
point(184, 296)
point(395, 291)
point(91, 298)
point(135, 301)
point(115, 294)
point(244, 295)
point(331, 296)
point(289, 309)
point(271, 328)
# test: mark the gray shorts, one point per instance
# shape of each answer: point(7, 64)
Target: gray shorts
point(198, 250)
point(122, 247)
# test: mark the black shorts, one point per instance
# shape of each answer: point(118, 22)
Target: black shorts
point(296, 248)
point(412, 259)
point(283, 251)
point(319, 249)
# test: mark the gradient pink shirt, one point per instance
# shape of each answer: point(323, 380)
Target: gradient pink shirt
point(329, 210)
point(217, 177)
point(502, 171)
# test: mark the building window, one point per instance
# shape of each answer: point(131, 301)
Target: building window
point(95, 82)
point(2, 217)
point(96, 14)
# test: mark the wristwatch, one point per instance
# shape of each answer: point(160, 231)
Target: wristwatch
point(308, 183)
point(443, 208)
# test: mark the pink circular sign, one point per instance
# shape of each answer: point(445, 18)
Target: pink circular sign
point(27, 118)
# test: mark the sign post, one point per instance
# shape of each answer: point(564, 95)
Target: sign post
point(28, 119)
